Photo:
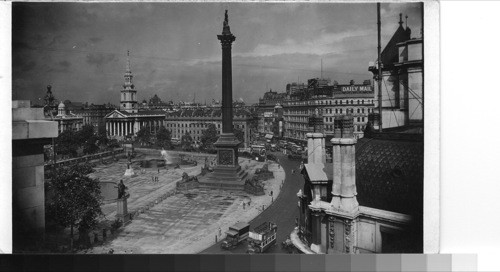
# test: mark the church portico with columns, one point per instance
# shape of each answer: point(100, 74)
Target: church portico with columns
point(120, 124)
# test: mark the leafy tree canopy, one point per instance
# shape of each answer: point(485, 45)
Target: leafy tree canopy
point(143, 135)
point(88, 139)
point(76, 198)
point(209, 136)
point(67, 143)
point(164, 137)
point(186, 141)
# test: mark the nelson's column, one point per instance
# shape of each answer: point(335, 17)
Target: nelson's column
point(227, 173)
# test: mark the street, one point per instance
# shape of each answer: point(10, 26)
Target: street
point(283, 211)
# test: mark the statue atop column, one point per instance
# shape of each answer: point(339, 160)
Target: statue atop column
point(225, 29)
point(121, 190)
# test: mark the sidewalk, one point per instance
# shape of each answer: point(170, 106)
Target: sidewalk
point(298, 243)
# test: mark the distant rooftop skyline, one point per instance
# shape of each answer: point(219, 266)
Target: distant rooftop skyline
point(81, 48)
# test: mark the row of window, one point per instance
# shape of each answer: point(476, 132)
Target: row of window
point(331, 102)
point(198, 125)
point(349, 110)
point(357, 128)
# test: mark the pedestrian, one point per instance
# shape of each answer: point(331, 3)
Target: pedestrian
point(271, 193)
point(158, 170)
point(243, 205)
point(296, 221)
point(220, 232)
point(153, 179)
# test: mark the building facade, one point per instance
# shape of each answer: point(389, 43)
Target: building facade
point(67, 120)
point(195, 120)
point(94, 114)
point(328, 102)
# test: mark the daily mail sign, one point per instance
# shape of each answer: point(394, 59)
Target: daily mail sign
point(359, 88)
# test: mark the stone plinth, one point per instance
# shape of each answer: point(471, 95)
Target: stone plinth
point(30, 132)
point(227, 173)
point(121, 209)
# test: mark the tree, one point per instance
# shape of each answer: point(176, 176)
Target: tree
point(102, 134)
point(239, 134)
point(186, 141)
point(144, 135)
point(76, 198)
point(67, 143)
point(164, 137)
point(209, 136)
point(88, 139)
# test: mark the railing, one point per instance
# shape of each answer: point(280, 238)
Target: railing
point(86, 158)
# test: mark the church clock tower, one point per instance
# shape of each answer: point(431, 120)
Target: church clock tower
point(128, 98)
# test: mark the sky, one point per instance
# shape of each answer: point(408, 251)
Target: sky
point(80, 49)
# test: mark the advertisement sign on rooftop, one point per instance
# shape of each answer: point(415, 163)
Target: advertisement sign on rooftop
point(357, 88)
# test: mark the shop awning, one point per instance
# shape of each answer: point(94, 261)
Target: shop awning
point(269, 136)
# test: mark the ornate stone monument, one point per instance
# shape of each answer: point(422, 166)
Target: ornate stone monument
point(227, 173)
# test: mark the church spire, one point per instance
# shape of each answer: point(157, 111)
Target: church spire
point(128, 62)
point(128, 74)
point(128, 98)
point(401, 19)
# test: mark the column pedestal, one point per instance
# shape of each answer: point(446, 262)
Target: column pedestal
point(122, 211)
point(227, 173)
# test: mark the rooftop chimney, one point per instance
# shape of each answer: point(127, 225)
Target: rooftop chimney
point(344, 167)
point(316, 148)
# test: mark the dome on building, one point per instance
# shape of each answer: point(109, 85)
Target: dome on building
point(61, 105)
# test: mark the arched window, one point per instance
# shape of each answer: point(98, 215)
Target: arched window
point(352, 102)
point(358, 119)
point(336, 102)
point(358, 102)
point(358, 110)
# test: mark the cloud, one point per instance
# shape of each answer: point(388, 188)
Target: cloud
point(95, 39)
point(58, 40)
point(100, 58)
point(65, 63)
point(325, 43)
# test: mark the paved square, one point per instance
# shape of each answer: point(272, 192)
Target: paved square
point(183, 222)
